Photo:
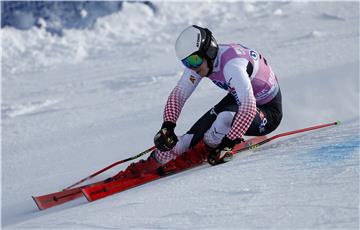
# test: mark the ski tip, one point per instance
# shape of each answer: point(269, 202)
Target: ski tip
point(338, 122)
point(38, 204)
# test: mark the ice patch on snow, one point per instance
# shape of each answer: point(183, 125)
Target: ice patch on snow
point(338, 151)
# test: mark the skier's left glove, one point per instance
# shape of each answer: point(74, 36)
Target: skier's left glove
point(222, 153)
point(166, 138)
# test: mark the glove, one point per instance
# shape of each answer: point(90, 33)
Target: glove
point(222, 153)
point(166, 139)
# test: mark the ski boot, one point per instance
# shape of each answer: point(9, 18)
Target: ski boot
point(216, 157)
point(223, 152)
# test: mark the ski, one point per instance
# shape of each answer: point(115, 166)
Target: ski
point(108, 187)
point(103, 190)
point(57, 198)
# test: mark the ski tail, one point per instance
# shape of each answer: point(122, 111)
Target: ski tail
point(53, 199)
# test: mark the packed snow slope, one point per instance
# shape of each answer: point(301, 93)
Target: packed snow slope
point(76, 103)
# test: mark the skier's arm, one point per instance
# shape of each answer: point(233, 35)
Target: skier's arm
point(178, 96)
point(239, 81)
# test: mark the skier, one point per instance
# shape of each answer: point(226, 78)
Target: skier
point(252, 106)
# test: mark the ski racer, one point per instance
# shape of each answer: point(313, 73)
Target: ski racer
point(252, 106)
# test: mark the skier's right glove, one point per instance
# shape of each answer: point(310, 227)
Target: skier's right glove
point(166, 138)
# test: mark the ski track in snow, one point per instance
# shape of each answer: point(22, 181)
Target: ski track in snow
point(77, 103)
point(29, 108)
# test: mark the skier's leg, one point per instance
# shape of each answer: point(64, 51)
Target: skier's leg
point(219, 128)
point(214, 136)
point(206, 121)
point(266, 120)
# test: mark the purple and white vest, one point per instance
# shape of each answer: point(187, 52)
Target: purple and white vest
point(263, 80)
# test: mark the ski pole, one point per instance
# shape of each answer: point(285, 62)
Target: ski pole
point(112, 165)
point(287, 134)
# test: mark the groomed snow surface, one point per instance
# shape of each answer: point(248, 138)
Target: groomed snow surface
point(74, 104)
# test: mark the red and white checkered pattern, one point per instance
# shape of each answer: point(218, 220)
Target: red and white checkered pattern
point(174, 104)
point(243, 119)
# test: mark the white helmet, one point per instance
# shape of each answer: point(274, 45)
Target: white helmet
point(196, 39)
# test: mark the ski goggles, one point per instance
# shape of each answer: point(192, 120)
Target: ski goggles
point(193, 61)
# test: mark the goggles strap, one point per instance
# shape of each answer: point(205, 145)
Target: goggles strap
point(210, 66)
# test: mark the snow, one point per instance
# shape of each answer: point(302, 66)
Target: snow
point(76, 103)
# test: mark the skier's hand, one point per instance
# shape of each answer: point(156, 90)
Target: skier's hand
point(166, 138)
point(222, 153)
